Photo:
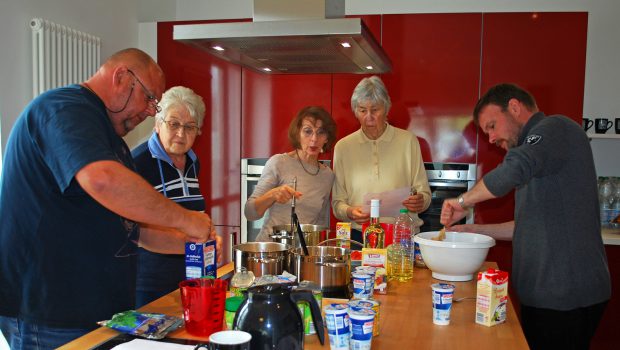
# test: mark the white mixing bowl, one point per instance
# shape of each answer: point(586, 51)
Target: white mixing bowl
point(457, 257)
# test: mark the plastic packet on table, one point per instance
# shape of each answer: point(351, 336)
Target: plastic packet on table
point(146, 325)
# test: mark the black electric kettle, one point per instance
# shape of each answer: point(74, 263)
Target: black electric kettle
point(270, 314)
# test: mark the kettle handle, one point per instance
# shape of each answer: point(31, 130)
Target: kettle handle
point(317, 319)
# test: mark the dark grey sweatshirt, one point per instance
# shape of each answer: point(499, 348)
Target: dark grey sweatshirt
point(558, 257)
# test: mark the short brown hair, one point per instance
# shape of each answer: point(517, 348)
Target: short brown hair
point(500, 95)
point(316, 113)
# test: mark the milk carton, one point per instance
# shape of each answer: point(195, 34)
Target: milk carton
point(343, 233)
point(491, 297)
point(200, 260)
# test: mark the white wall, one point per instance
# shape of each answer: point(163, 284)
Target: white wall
point(114, 21)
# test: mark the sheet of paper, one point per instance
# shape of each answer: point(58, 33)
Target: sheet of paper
point(145, 344)
point(391, 201)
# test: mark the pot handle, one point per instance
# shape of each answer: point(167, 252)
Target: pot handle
point(317, 319)
point(263, 260)
point(330, 264)
point(341, 239)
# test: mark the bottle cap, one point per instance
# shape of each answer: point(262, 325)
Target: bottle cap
point(404, 210)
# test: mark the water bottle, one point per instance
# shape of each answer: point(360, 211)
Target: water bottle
point(614, 220)
point(400, 252)
point(606, 199)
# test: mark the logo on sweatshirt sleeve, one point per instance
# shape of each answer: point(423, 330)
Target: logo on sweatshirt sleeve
point(533, 139)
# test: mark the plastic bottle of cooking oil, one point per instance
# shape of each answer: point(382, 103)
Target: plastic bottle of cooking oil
point(400, 252)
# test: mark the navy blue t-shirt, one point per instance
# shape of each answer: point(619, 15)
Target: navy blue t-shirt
point(65, 260)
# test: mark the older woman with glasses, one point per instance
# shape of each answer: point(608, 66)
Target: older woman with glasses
point(311, 132)
point(168, 163)
point(376, 158)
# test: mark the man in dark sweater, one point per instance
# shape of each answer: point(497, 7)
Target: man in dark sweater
point(560, 269)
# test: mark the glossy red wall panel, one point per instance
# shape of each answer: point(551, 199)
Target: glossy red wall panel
point(270, 102)
point(434, 83)
point(543, 53)
point(218, 147)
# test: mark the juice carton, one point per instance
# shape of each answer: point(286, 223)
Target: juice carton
point(343, 232)
point(491, 297)
point(200, 260)
point(377, 258)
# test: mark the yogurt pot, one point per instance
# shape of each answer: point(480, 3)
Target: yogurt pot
point(361, 281)
point(338, 327)
point(370, 304)
point(442, 302)
point(362, 322)
point(372, 271)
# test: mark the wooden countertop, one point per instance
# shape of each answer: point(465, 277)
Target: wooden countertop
point(611, 236)
point(406, 320)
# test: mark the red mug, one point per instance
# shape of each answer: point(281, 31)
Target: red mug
point(203, 302)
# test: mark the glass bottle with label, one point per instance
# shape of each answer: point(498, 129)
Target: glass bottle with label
point(374, 235)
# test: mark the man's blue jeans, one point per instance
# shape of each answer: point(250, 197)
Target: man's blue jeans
point(29, 336)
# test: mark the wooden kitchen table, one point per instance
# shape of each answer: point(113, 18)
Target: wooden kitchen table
point(406, 320)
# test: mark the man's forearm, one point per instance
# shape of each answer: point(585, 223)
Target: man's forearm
point(129, 195)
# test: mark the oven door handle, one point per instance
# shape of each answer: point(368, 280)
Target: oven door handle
point(459, 184)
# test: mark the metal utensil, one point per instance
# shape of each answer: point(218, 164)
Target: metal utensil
point(295, 221)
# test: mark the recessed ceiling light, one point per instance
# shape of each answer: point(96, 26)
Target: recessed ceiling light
point(218, 48)
point(369, 67)
point(345, 44)
point(267, 69)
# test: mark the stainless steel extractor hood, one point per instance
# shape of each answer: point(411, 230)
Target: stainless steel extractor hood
point(292, 37)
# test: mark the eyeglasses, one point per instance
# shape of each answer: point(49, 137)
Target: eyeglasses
point(174, 126)
point(308, 132)
point(150, 98)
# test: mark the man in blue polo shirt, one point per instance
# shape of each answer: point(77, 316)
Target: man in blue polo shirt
point(70, 202)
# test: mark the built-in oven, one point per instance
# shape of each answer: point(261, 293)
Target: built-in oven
point(446, 180)
point(251, 170)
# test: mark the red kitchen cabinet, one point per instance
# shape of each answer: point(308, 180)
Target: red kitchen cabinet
point(218, 147)
point(270, 102)
point(543, 53)
point(434, 81)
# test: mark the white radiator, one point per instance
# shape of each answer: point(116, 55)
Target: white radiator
point(61, 55)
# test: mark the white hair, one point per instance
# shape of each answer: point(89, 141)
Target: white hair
point(182, 96)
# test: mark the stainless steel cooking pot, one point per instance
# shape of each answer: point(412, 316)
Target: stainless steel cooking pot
point(313, 234)
point(329, 267)
point(262, 258)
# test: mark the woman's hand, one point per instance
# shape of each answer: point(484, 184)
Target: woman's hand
point(414, 203)
point(356, 214)
point(283, 194)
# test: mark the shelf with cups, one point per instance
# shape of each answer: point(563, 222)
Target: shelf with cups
point(603, 136)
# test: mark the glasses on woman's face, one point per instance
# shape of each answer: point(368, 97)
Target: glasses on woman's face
point(308, 132)
point(175, 125)
point(151, 100)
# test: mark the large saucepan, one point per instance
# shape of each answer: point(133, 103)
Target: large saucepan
point(262, 258)
point(329, 267)
point(313, 234)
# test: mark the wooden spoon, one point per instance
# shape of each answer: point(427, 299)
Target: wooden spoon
point(441, 236)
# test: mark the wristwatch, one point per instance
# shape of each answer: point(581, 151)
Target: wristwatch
point(461, 202)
